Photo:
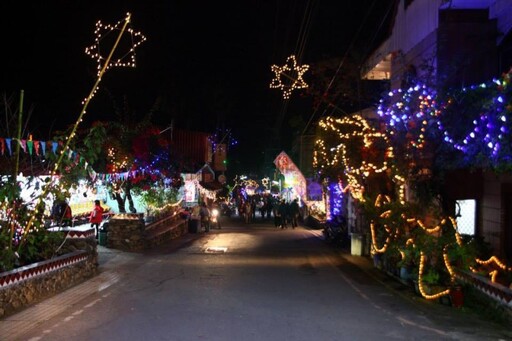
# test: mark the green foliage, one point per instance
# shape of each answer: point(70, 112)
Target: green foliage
point(432, 277)
point(23, 237)
point(159, 196)
point(40, 245)
point(7, 255)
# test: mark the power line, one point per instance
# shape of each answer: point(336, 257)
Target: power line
point(341, 63)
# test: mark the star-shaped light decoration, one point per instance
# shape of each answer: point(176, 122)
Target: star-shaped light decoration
point(132, 40)
point(292, 74)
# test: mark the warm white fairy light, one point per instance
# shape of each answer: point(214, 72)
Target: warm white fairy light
point(347, 130)
point(104, 63)
point(423, 292)
point(292, 73)
point(101, 32)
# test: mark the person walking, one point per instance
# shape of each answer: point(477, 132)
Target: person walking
point(96, 217)
point(283, 212)
point(205, 217)
point(247, 212)
point(294, 213)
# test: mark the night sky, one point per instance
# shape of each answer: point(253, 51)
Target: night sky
point(205, 64)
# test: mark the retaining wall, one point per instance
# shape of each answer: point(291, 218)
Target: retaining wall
point(30, 284)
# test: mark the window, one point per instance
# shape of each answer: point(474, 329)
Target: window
point(466, 217)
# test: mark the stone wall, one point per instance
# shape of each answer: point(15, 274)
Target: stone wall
point(496, 291)
point(30, 284)
point(128, 232)
point(164, 230)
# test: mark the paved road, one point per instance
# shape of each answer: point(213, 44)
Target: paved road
point(244, 282)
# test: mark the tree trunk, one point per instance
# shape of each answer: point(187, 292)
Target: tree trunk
point(120, 202)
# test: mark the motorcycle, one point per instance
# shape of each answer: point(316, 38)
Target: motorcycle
point(335, 233)
point(227, 209)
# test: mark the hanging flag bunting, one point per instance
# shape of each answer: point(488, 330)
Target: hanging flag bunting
point(2, 145)
point(43, 147)
point(30, 145)
point(54, 147)
point(23, 144)
point(36, 146)
point(8, 142)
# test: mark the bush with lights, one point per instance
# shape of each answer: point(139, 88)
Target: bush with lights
point(23, 236)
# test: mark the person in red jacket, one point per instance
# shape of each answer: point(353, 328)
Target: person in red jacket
point(96, 216)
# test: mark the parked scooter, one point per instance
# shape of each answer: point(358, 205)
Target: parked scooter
point(335, 232)
point(227, 209)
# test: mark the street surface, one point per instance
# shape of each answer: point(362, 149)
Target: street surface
point(244, 282)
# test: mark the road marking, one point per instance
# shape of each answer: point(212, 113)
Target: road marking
point(216, 249)
point(92, 303)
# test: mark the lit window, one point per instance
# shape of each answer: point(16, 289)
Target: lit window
point(467, 216)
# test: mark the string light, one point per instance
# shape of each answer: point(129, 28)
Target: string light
point(103, 64)
point(495, 261)
point(350, 130)
point(420, 282)
point(416, 114)
point(292, 73)
point(205, 192)
point(102, 31)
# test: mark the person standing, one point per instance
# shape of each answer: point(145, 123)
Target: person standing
point(205, 217)
point(67, 215)
point(96, 216)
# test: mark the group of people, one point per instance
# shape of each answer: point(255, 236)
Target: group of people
point(287, 213)
point(208, 215)
point(284, 212)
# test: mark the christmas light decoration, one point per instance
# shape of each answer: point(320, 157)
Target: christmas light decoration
point(417, 117)
point(488, 133)
point(335, 200)
point(206, 192)
point(101, 32)
point(421, 285)
point(494, 261)
point(350, 131)
point(411, 112)
point(36, 218)
point(265, 182)
point(289, 76)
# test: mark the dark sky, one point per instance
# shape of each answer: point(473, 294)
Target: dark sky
point(206, 62)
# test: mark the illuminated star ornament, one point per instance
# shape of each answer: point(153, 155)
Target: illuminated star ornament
point(105, 37)
point(289, 76)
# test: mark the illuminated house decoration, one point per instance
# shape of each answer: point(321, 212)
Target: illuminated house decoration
point(294, 179)
point(452, 37)
point(190, 190)
point(289, 76)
